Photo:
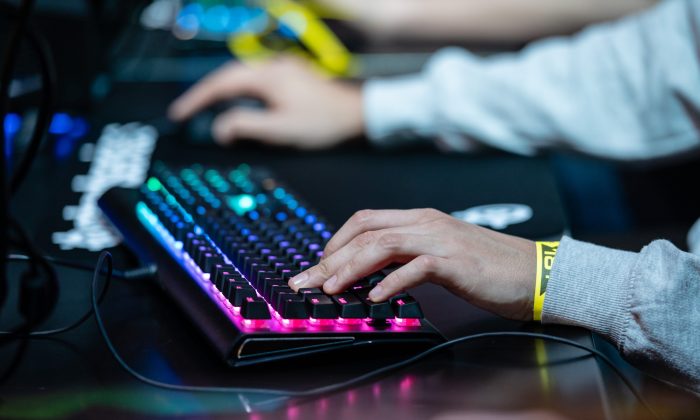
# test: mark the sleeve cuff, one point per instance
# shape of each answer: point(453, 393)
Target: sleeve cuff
point(397, 109)
point(589, 287)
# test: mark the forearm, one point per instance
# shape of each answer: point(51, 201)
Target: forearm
point(647, 304)
point(489, 20)
point(624, 90)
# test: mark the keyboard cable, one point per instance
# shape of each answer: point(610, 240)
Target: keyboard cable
point(106, 258)
point(145, 272)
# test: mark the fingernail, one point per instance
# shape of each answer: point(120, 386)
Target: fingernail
point(299, 279)
point(376, 293)
point(332, 281)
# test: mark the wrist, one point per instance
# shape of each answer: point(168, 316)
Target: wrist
point(545, 254)
point(351, 122)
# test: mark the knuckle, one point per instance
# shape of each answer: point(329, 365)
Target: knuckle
point(427, 264)
point(445, 222)
point(324, 270)
point(430, 213)
point(389, 241)
point(349, 270)
point(365, 239)
point(351, 266)
point(362, 217)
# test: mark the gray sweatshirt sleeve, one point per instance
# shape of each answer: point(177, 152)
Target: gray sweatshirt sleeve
point(625, 90)
point(646, 303)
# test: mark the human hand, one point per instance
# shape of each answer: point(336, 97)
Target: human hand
point(303, 109)
point(491, 270)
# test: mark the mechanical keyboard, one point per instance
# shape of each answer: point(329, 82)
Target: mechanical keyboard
point(226, 242)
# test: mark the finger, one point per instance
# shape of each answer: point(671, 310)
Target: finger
point(372, 220)
point(246, 123)
point(387, 248)
point(324, 271)
point(229, 80)
point(421, 269)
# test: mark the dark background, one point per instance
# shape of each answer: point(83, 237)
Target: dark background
point(108, 72)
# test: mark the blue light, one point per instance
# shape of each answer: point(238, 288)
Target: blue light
point(216, 18)
point(257, 22)
point(281, 216)
point(201, 210)
point(319, 227)
point(64, 146)
point(194, 9)
point(279, 193)
point(254, 215)
point(13, 123)
point(80, 127)
point(61, 124)
point(238, 17)
point(190, 17)
point(326, 234)
point(309, 219)
point(300, 212)
point(286, 31)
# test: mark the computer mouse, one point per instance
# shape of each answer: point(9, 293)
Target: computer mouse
point(197, 130)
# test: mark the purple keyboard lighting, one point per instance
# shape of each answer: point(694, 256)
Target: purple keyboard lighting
point(241, 236)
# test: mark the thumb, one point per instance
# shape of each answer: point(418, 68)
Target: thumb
point(241, 123)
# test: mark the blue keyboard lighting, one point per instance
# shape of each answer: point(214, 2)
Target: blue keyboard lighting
point(243, 254)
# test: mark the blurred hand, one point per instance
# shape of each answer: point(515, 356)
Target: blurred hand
point(303, 109)
point(489, 269)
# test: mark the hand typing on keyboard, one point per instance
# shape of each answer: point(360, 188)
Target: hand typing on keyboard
point(489, 269)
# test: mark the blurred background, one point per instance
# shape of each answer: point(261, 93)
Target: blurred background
point(122, 60)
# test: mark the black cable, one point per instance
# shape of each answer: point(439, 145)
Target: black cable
point(37, 297)
point(105, 256)
point(145, 272)
point(8, 66)
point(137, 273)
point(35, 307)
point(43, 120)
point(59, 330)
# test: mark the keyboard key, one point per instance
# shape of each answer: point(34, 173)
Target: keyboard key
point(293, 307)
point(349, 306)
point(375, 279)
point(232, 283)
point(381, 310)
point(320, 306)
point(210, 261)
point(288, 274)
point(275, 293)
point(254, 308)
point(239, 293)
point(270, 286)
point(405, 306)
point(220, 271)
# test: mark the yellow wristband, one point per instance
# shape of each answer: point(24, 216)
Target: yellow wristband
point(545, 259)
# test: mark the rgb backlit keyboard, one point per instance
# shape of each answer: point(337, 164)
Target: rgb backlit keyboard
point(227, 241)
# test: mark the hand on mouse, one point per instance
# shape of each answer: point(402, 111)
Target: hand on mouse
point(489, 269)
point(303, 109)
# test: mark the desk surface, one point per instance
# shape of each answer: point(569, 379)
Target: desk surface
point(74, 374)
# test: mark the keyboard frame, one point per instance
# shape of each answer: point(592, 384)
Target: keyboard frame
point(236, 344)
